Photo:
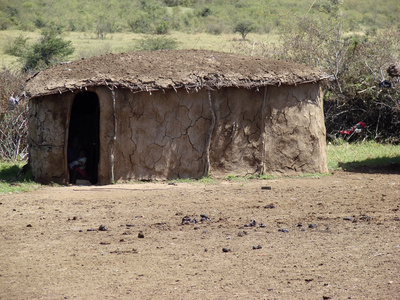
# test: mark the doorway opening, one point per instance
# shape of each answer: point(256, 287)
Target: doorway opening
point(83, 138)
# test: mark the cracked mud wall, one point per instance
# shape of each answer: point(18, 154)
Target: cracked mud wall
point(175, 134)
point(106, 134)
point(295, 136)
point(161, 135)
point(48, 123)
point(236, 144)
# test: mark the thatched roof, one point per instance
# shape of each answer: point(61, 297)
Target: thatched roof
point(170, 69)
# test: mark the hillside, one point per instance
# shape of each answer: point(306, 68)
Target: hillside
point(160, 16)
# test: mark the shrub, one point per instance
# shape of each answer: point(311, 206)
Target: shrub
point(49, 50)
point(357, 64)
point(149, 18)
point(162, 28)
point(11, 85)
point(17, 47)
point(14, 132)
point(13, 123)
point(244, 28)
point(103, 27)
point(156, 43)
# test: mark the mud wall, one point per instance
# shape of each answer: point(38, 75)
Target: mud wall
point(166, 135)
point(171, 134)
point(160, 136)
point(295, 136)
point(106, 134)
point(48, 123)
point(236, 139)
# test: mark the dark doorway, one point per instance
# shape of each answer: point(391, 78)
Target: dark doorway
point(83, 137)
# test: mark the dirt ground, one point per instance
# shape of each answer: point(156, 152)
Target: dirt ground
point(51, 246)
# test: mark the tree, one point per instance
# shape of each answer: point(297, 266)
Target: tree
point(244, 28)
point(49, 50)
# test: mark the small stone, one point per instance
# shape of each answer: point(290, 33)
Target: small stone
point(262, 225)
point(226, 250)
point(266, 188)
point(257, 247)
point(253, 223)
point(29, 225)
point(185, 220)
point(312, 226)
point(269, 206)
point(140, 235)
point(365, 218)
point(283, 230)
point(204, 217)
point(299, 225)
point(348, 218)
point(195, 221)
point(102, 228)
point(242, 233)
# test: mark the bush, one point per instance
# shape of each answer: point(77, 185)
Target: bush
point(11, 85)
point(156, 43)
point(14, 133)
point(13, 123)
point(17, 47)
point(49, 50)
point(162, 28)
point(149, 18)
point(244, 28)
point(358, 66)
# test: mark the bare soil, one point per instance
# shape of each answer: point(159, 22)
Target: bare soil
point(51, 246)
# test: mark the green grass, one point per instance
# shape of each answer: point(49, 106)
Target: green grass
point(312, 175)
point(368, 154)
point(8, 181)
point(203, 180)
point(88, 45)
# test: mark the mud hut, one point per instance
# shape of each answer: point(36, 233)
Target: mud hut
point(176, 114)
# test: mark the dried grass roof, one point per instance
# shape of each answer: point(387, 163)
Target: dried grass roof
point(170, 69)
